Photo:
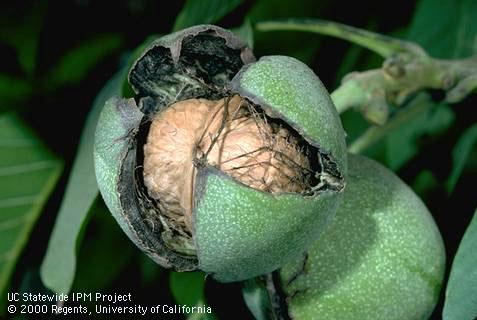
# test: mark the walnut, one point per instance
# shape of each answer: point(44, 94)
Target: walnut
point(229, 134)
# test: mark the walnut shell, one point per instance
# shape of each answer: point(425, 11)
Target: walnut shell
point(237, 141)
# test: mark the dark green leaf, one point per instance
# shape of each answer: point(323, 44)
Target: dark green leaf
point(77, 63)
point(424, 182)
point(150, 271)
point(245, 32)
point(402, 144)
point(13, 91)
point(461, 292)
point(23, 34)
point(302, 46)
point(28, 173)
point(447, 28)
point(452, 35)
point(256, 298)
point(187, 288)
point(349, 63)
point(374, 137)
point(59, 264)
point(105, 252)
point(460, 154)
point(203, 11)
point(354, 124)
point(29, 282)
point(272, 9)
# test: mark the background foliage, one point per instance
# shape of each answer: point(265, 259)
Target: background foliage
point(57, 56)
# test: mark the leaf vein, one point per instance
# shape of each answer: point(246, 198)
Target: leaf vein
point(13, 222)
point(18, 201)
point(28, 167)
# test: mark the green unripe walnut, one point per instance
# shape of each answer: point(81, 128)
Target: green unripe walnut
point(382, 257)
point(220, 163)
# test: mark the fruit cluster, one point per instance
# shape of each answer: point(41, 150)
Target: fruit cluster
point(239, 168)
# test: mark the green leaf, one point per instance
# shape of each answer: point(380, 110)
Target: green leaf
point(150, 271)
point(22, 33)
point(245, 32)
point(272, 9)
point(424, 183)
point(256, 298)
point(59, 265)
point(460, 154)
point(354, 123)
point(28, 173)
point(187, 288)
point(203, 11)
point(373, 137)
point(13, 91)
point(403, 144)
point(302, 46)
point(453, 34)
point(77, 63)
point(105, 252)
point(461, 292)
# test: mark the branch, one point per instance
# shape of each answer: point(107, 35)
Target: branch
point(401, 76)
point(381, 44)
point(406, 70)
